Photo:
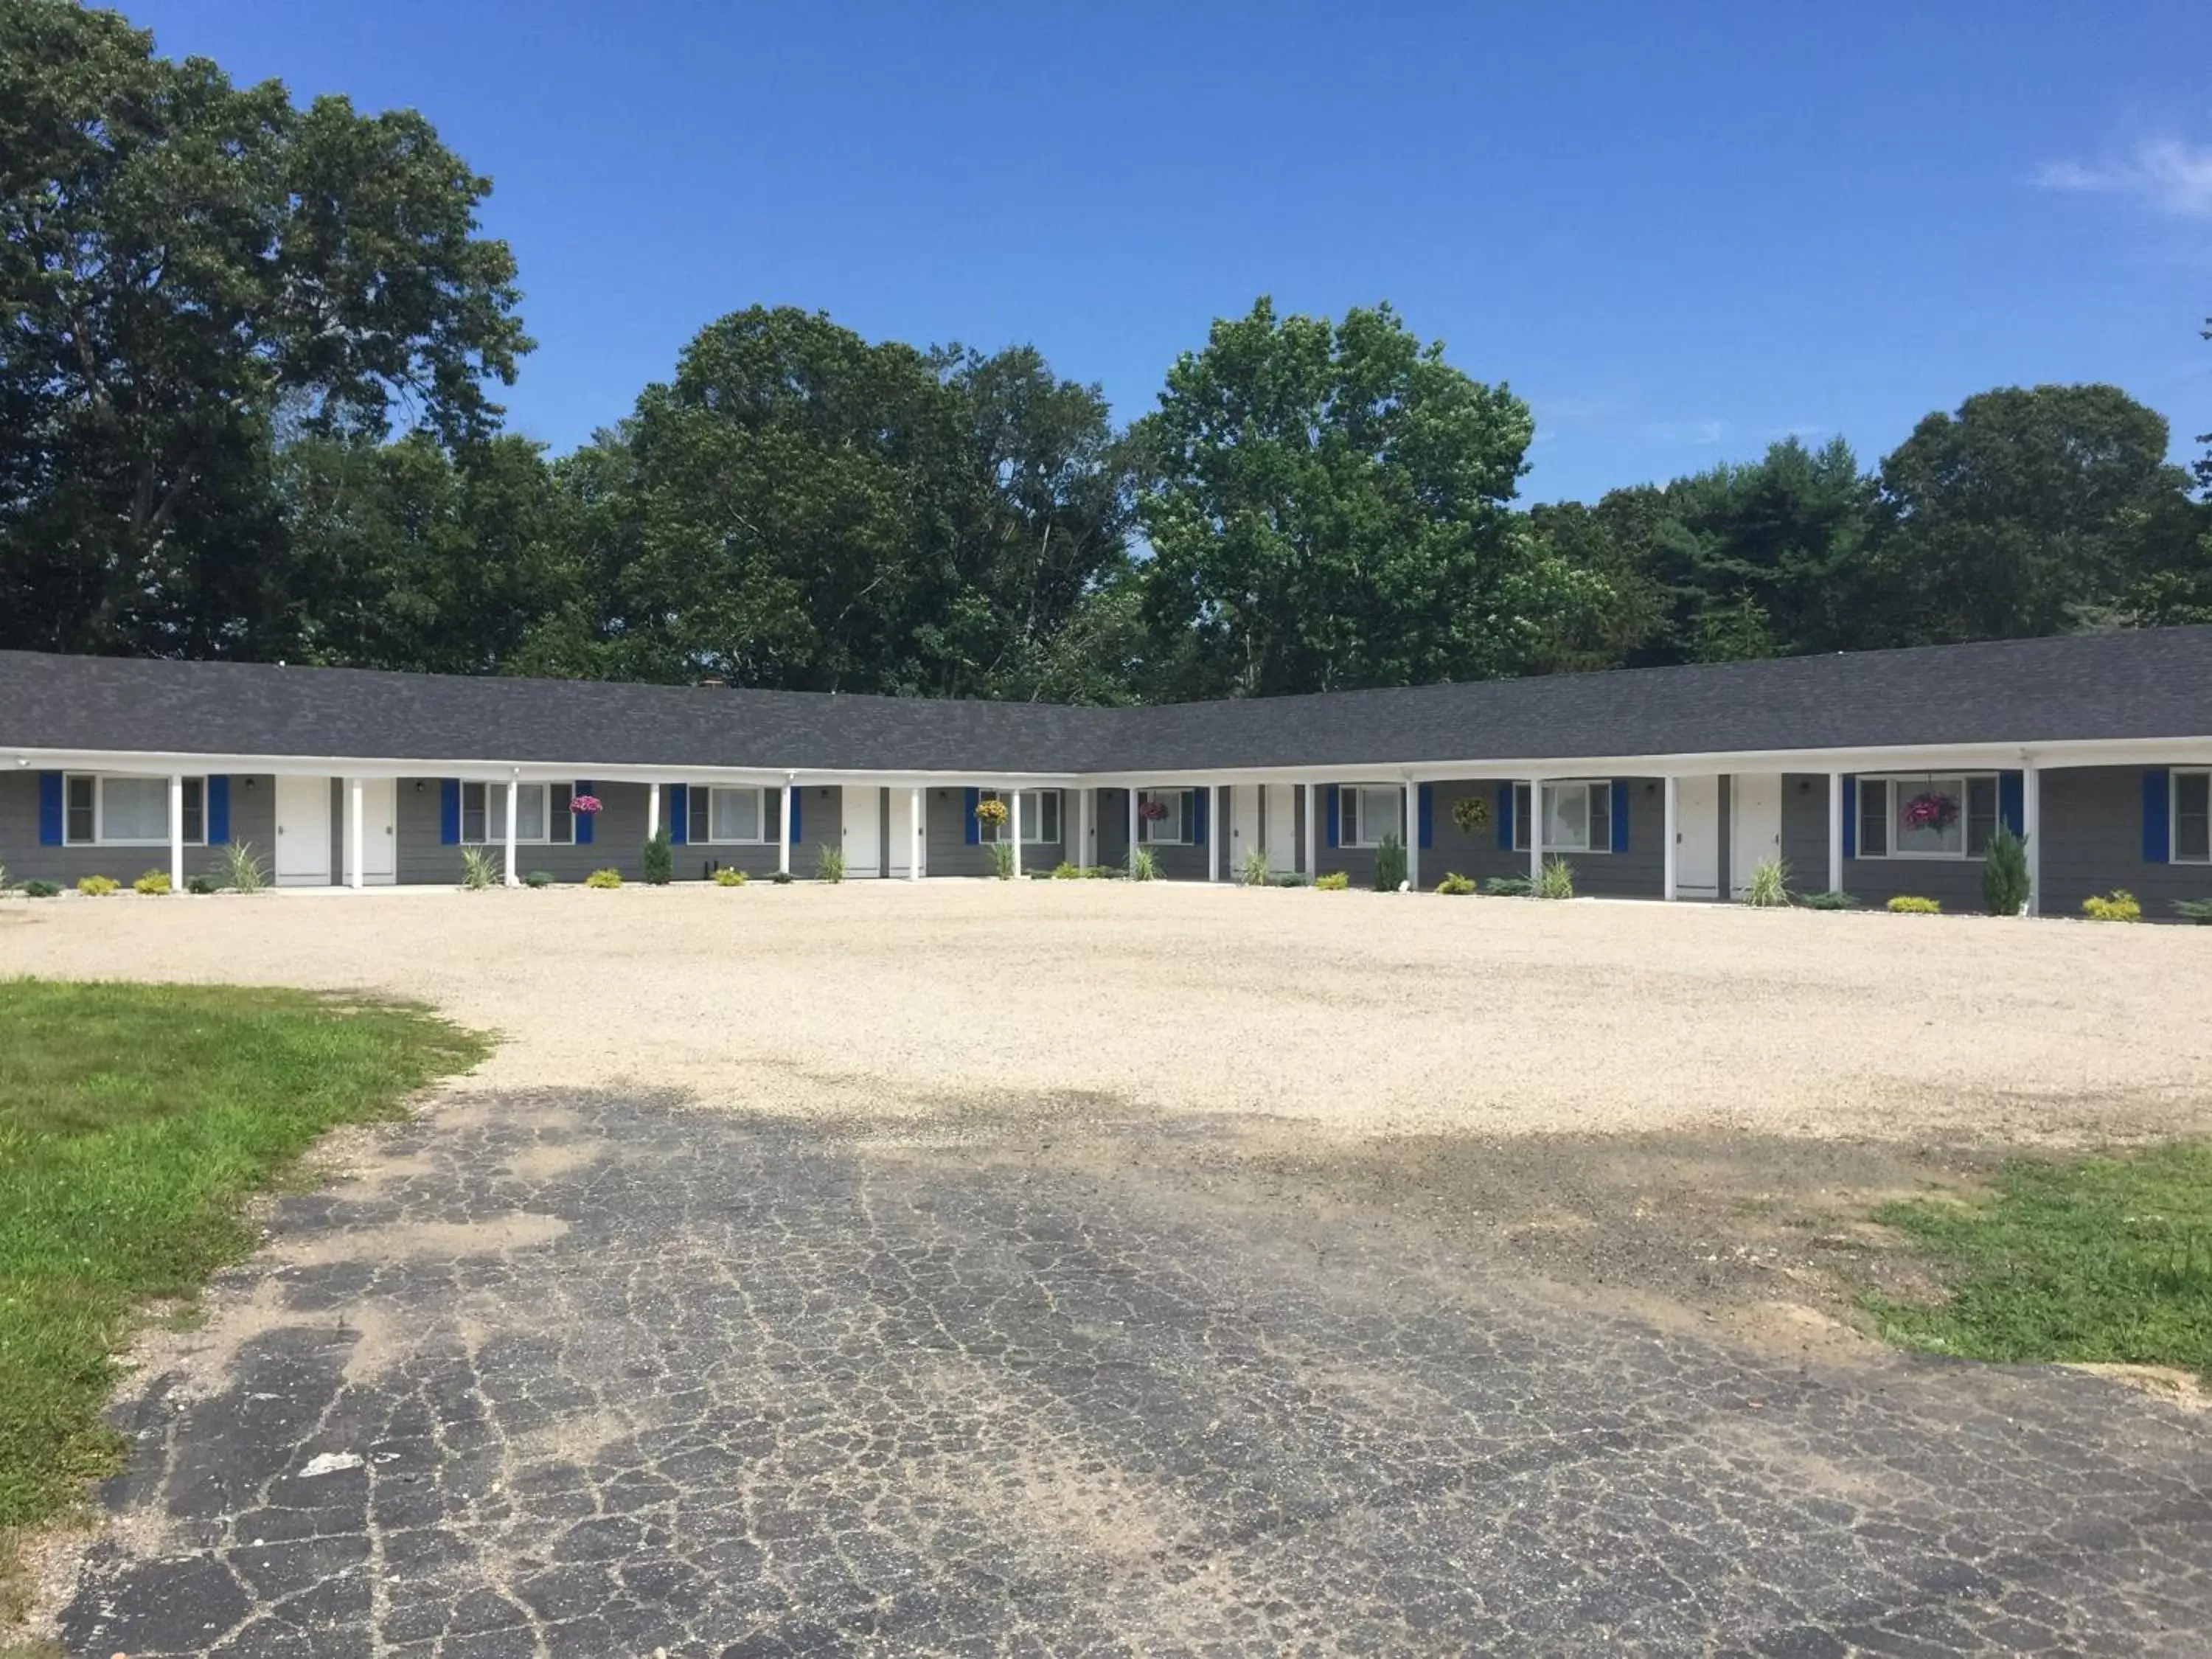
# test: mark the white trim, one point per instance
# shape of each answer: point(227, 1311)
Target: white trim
point(1670, 828)
point(1836, 830)
point(1537, 820)
point(706, 792)
point(2174, 777)
point(1185, 795)
point(491, 836)
point(1966, 781)
point(172, 835)
point(1031, 834)
point(1359, 787)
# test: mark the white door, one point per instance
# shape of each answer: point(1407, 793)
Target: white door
point(380, 829)
point(906, 846)
point(1697, 838)
point(303, 832)
point(1246, 833)
point(864, 831)
point(1282, 805)
point(1754, 824)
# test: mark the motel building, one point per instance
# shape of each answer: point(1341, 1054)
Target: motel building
point(1877, 773)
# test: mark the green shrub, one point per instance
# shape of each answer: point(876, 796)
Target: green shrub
point(1558, 879)
point(539, 878)
point(1334, 882)
point(243, 872)
point(96, 886)
point(1289, 879)
point(659, 859)
point(1253, 872)
point(2004, 873)
point(782, 878)
point(2197, 910)
point(1509, 887)
point(480, 868)
point(6, 885)
point(2118, 905)
point(1389, 865)
point(1457, 885)
point(1769, 886)
point(1143, 866)
point(828, 863)
point(1002, 859)
point(1064, 871)
point(154, 883)
point(1834, 899)
point(201, 884)
point(1905, 904)
point(604, 880)
point(35, 889)
point(726, 877)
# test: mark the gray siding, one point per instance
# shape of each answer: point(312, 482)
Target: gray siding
point(2092, 842)
point(951, 854)
point(1637, 872)
point(821, 810)
point(1174, 863)
point(252, 818)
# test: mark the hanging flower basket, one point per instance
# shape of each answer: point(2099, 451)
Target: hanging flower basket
point(581, 804)
point(1932, 809)
point(990, 811)
point(1470, 813)
point(1153, 810)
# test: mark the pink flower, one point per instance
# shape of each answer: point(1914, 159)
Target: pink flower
point(585, 804)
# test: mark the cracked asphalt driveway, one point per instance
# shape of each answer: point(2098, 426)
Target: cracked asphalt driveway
point(603, 1374)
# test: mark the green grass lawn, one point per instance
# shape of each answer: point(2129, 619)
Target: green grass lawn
point(2103, 1259)
point(134, 1120)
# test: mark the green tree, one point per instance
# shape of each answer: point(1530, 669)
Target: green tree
point(1327, 506)
point(179, 257)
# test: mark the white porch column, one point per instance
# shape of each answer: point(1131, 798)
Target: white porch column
point(2030, 829)
point(1080, 854)
point(1409, 821)
point(1670, 886)
point(1311, 818)
point(514, 807)
point(177, 829)
point(354, 824)
point(914, 829)
point(783, 832)
point(1835, 832)
point(1213, 833)
point(653, 812)
point(1535, 828)
point(1014, 823)
point(1132, 829)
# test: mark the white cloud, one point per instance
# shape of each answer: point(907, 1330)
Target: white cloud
point(2172, 175)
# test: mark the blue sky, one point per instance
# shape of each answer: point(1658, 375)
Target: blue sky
point(1681, 232)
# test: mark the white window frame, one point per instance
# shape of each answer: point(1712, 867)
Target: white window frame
point(1148, 829)
point(1355, 795)
point(1034, 804)
point(1891, 781)
point(1598, 803)
point(707, 792)
point(99, 780)
point(494, 815)
point(2173, 852)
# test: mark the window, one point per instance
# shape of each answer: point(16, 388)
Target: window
point(1162, 815)
point(729, 815)
point(1577, 817)
point(2192, 817)
point(1368, 811)
point(541, 812)
point(1927, 814)
point(102, 811)
point(1040, 816)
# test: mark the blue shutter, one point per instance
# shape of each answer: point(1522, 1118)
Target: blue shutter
point(1199, 799)
point(449, 812)
point(1332, 814)
point(970, 800)
point(585, 821)
point(2158, 824)
point(798, 795)
point(50, 809)
point(677, 805)
point(1505, 817)
point(1428, 814)
point(218, 811)
point(1851, 816)
point(2012, 801)
point(1620, 815)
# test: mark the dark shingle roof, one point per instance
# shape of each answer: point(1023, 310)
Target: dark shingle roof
point(2151, 684)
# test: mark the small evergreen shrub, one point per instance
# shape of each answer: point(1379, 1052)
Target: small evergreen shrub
point(480, 868)
point(828, 863)
point(1769, 886)
point(539, 878)
point(6, 885)
point(36, 889)
point(243, 872)
point(1143, 866)
point(2118, 905)
point(154, 883)
point(1253, 872)
point(1389, 865)
point(201, 884)
point(1334, 882)
point(1289, 879)
point(1834, 899)
point(782, 878)
point(2197, 910)
point(726, 876)
point(1002, 858)
point(1456, 885)
point(1905, 904)
point(1064, 871)
point(1557, 881)
point(96, 886)
point(659, 859)
point(2004, 873)
point(604, 880)
point(1509, 887)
